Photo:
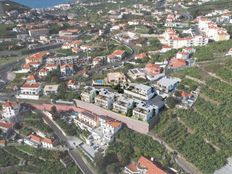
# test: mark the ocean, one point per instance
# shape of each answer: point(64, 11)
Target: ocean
point(41, 3)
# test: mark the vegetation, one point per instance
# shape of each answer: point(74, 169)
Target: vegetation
point(213, 50)
point(33, 121)
point(36, 160)
point(128, 146)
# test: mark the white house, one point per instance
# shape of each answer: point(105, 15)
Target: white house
point(167, 84)
point(140, 91)
point(10, 109)
point(50, 89)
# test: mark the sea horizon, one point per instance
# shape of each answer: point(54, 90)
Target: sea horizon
point(41, 3)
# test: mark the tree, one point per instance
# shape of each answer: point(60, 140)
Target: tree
point(54, 112)
point(171, 102)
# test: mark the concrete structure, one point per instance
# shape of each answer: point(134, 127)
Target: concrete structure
point(10, 109)
point(122, 104)
point(105, 99)
point(50, 89)
point(88, 94)
point(167, 84)
point(116, 78)
point(144, 166)
point(140, 91)
point(87, 120)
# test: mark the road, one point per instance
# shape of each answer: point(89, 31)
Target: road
point(74, 155)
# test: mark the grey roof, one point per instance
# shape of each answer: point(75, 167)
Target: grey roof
point(168, 81)
point(156, 101)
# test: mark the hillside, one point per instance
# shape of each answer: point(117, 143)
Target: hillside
point(6, 5)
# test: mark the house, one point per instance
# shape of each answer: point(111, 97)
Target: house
point(122, 104)
point(86, 48)
point(38, 141)
point(67, 69)
point(37, 57)
point(189, 50)
point(3, 143)
point(51, 67)
point(144, 166)
point(97, 61)
point(182, 55)
point(10, 109)
point(105, 99)
point(137, 73)
point(7, 127)
point(71, 84)
point(140, 56)
point(140, 91)
point(30, 88)
point(107, 129)
point(31, 79)
point(152, 69)
point(116, 78)
point(34, 65)
point(50, 89)
point(87, 120)
point(88, 94)
point(26, 68)
point(43, 72)
point(165, 48)
point(75, 50)
point(175, 63)
point(168, 84)
point(116, 56)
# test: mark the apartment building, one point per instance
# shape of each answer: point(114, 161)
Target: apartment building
point(140, 91)
point(88, 94)
point(67, 69)
point(211, 29)
point(143, 112)
point(122, 104)
point(105, 99)
point(172, 39)
point(87, 120)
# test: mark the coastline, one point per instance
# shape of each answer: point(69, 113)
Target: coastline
point(42, 3)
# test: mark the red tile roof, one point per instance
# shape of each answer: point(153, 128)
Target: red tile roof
point(6, 125)
point(114, 123)
point(9, 104)
point(177, 63)
point(150, 166)
point(31, 85)
point(31, 77)
point(118, 52)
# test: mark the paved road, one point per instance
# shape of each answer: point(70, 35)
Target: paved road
point(75, 156)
